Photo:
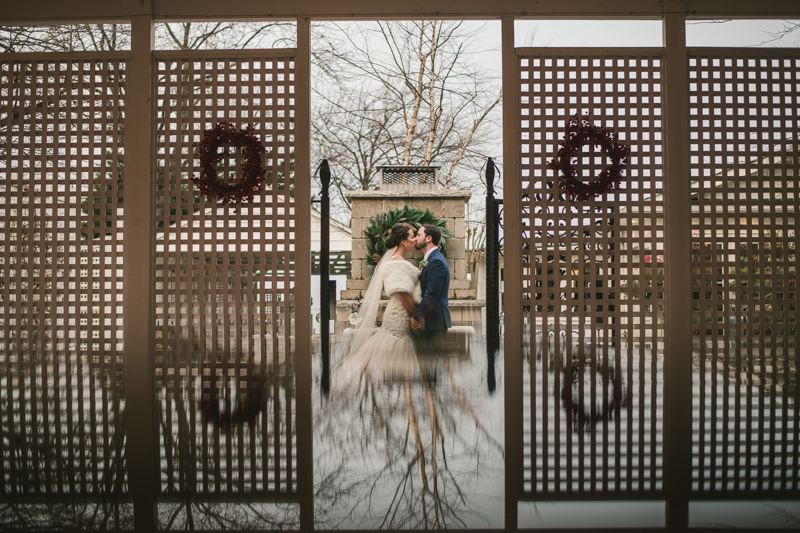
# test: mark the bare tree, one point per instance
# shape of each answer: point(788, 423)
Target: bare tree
point(67, 38)
point(182, 36)
point(790, 27)
point(355, 133)
point(446, 105)
point(225, 35)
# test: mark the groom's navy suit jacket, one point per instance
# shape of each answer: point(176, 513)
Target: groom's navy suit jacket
point(433, 311)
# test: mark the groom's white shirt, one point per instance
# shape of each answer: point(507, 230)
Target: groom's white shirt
point(429, 252)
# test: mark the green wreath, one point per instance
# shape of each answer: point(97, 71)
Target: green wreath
point(379, 227)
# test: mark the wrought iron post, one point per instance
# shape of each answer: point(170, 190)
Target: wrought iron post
point(492, 271)
point(324, 274)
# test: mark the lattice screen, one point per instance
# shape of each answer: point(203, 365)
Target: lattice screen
point(406, 177)
point(593, 280)
point(61, 164)
point(745, 131)
point(225, 284)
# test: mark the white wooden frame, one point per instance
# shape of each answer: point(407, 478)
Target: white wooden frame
point(139, 216)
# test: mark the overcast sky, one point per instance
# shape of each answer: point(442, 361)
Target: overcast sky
point(611, 33)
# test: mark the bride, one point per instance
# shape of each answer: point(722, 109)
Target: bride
point(386, 353)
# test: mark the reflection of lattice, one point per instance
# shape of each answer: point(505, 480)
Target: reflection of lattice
point(409, 177)
point(593, 270)
point(744, 133)
point(61, 181)
point(224, 279)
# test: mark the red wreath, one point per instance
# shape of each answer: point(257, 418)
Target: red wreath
point(242, 189)
point(581, 132)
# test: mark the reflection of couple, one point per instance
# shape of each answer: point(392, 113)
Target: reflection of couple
point(417, 301)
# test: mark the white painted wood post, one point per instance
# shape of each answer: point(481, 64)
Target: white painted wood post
point(677, 258)
point(302, 262)
point(138, 271)
point(512, 358)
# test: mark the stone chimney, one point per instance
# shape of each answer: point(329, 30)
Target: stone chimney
point(445, 205)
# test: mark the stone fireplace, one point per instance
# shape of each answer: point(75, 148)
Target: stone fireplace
point(446, 205)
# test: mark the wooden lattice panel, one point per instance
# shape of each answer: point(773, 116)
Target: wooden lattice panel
point(745, 134)
point(61, 164)
point(592, 279)
point(225, 283)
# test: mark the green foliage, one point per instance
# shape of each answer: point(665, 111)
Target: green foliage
point(379, 227)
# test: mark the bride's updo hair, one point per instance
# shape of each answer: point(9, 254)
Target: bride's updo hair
point(397, 234)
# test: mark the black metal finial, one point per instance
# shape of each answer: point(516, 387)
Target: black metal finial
point(490, 175)
point(325, 174)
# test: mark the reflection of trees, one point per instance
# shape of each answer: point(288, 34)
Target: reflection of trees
point(789, 517)
point(213, 438)
point(63, 469)
point(69, 515)
point(404, 455)
point(200, 514)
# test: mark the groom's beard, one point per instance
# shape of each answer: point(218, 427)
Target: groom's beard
point(419, 246)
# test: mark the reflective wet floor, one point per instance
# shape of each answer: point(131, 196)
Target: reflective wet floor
point(407, 447)
point(421, 449)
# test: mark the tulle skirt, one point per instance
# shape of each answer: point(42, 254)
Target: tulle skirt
point(382, 358)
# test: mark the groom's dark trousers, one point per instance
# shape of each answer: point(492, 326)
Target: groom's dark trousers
point(433, 311)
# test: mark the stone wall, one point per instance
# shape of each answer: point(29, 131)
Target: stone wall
point(449, 206)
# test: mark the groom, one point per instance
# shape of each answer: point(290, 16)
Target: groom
point(432, 315)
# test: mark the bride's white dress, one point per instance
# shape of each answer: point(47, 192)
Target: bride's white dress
point(389, 354)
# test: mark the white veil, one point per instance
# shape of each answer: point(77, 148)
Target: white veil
point(368, 311)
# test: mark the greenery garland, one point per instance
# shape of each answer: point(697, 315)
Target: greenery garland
point(380, 226)
point(580, 132)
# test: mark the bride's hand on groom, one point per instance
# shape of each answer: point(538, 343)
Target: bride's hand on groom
point(415, 325)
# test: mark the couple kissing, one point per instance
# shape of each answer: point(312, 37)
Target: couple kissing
point(417, 302)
